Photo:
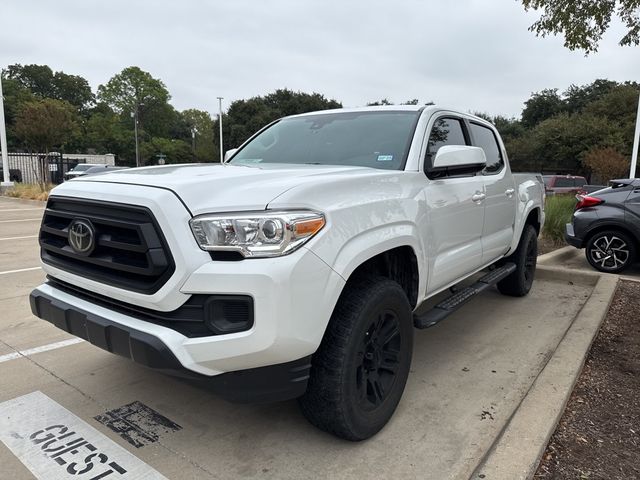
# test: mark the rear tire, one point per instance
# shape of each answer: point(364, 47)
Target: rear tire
point(359, 372)
point(610, 251)
point(525, 257)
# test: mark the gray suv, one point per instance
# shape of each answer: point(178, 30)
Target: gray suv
point(606, 224)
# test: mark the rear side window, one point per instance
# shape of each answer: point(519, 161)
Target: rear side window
point(564, 182)
point(484, 138)
point(580, 181)
point(445, 131)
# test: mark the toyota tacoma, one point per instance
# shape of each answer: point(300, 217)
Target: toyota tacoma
point(298, 267)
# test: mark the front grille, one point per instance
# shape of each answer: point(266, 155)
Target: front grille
point(130, 251)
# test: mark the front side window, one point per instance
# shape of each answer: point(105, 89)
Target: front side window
point(378, 139)
point(484, 138)
point(445, 131)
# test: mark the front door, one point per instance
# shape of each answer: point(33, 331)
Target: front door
point(455, 206)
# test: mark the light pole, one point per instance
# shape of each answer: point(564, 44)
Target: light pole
point(220, 123)
point(3, 144)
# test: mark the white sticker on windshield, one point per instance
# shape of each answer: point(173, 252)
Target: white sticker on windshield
point(385, 158)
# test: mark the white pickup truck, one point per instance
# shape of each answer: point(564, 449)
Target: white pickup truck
point(296, 268)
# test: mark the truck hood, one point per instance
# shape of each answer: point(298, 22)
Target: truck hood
point(208, 188)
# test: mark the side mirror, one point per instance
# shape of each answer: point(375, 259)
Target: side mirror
point(458, 160)
point(229, 153)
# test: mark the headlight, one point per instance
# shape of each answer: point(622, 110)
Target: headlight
point(256, 234)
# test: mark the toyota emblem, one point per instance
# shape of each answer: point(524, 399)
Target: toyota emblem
point(81, 236)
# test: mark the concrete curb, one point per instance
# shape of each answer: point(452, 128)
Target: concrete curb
point(556, 256)
point(516, 452)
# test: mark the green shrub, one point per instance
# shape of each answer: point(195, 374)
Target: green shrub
point(558, 210)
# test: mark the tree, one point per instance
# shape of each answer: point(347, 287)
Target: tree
point(561, 143)
point(133, 88)
point(200, 123)
point(378, 103)
point(44, 83)
point(173, 151)
point(584, 22)
point(45, 124)
point(541, 106)
point(578, 97)
point(607, 164)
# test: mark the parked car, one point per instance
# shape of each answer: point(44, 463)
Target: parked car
point(296, 268)
point(15, 174)
point(606, 223)
point(81, 169)
point(555, 184)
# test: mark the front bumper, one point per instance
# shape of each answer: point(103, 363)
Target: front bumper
point(293, 298)
point(265, 384)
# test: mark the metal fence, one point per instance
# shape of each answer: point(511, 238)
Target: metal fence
point(39, 168)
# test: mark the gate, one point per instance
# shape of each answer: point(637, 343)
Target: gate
point(59, 165)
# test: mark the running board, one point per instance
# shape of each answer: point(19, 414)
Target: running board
point(451, 304)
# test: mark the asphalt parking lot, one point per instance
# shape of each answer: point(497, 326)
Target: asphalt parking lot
point(469, 375)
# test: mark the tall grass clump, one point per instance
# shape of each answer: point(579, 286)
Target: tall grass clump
point(558, 210)
point(29, 191)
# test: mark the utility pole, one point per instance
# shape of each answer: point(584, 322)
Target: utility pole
point(220, 123)
point(134, 115)
point(636, 141)
point(193, 144)
point(3, 144)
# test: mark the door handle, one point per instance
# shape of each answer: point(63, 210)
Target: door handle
point(478, 197)
point(509, 193)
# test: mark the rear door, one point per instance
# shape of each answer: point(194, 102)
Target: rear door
point(500, 203)
point(455, 206)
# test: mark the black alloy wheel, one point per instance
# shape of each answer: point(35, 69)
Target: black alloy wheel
point(378, 360)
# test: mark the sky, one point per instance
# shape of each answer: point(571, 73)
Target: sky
point(471, 55)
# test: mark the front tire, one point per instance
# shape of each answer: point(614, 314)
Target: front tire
point(359, 372)
point(610, 251)
point(519, 283)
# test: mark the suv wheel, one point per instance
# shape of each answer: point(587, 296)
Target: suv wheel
point(359, 372)
point(610, 251)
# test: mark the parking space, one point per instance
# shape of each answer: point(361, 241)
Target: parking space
point(468, 376)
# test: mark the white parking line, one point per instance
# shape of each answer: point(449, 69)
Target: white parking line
point(18, 238)
point(7, 272)
point(42, 348)
point(21, 220)
point(19, 209)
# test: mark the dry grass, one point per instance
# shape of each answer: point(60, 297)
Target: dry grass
point(29, 191)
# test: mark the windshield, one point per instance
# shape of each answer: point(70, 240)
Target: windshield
point(378, 139)
point(82, 168)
